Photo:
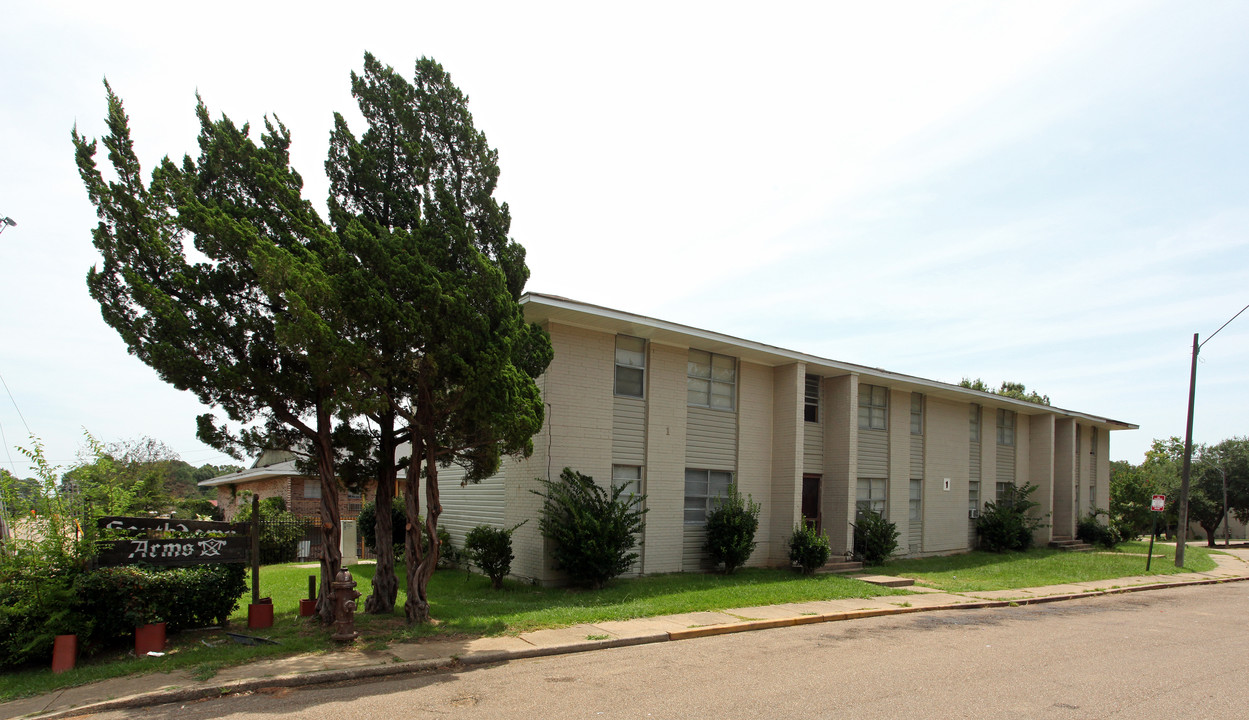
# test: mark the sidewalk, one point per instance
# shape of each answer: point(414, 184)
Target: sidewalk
point(433, 653)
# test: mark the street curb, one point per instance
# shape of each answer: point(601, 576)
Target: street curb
point(162, 697)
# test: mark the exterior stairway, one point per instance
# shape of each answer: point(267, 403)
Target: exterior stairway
point(1068, 544)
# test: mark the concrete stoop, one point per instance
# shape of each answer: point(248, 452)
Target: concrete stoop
point(1067, 544)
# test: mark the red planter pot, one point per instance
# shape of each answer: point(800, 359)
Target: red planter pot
point(260, 615)
point(149, 638)
point(307, 608)
point(64, 653)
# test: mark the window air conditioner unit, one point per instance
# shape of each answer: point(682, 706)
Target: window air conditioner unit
point(973, 514)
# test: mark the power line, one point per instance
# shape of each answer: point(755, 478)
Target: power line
point(15, 407)
point(1229, 322)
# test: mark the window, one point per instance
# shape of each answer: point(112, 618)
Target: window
point(702, 487)
point(711, 381)
point(917, 496)
point(1005, 494)
point(973, 495)
point(1093, 442)
point(353, 495)
point(973, 421)
point(630, 476)
point(873, 402)
point(630, 365)
point(1005, 427)
point(312, 489)
point(870, 495)
point(811, 408)
point(917, 414)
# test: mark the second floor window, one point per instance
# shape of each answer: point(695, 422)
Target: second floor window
point(1005, 427)
point(873, 402)
point(811, 407)
point(711, 380)
point(630, 366)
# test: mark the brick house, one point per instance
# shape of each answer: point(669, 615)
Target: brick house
point(273, 474)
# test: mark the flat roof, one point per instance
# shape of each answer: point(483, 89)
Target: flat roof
point(542, 308)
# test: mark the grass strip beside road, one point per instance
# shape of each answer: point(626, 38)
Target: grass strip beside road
point(983, 571)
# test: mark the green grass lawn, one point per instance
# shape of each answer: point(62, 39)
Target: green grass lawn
point(462, 604)
point(980, 571)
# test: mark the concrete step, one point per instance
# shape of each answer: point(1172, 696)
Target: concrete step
point(840, 566)
point(1070, 545)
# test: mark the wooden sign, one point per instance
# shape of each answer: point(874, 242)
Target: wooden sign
point(175, 551)
point(116, 522)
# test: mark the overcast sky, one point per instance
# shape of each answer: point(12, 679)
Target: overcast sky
point(1052, 193)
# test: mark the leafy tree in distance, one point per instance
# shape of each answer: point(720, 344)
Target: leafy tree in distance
point(1007, 389)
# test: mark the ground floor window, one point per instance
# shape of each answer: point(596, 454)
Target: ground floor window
point(870, 496)
point(973, 498)
point(312, 489)
point(630, 476)
point(1005, 492)
point(702, 487)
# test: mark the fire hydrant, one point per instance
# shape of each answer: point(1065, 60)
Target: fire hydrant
point(343, 595)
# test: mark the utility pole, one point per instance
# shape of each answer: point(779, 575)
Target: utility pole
point(1188, 461)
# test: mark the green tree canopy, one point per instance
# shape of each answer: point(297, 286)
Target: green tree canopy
point(1007, 389)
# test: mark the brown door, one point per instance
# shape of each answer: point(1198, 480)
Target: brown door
point(811, 501)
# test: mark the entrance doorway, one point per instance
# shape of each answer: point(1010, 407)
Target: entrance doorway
point(811, 502)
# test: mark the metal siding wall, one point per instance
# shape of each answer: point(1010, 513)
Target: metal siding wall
point(973, 462)
point(1006, 463)
point(873, 453)
point(628, 446)
point(693, 559)
point(464, 508)
point(917, 457)
point(813, 448)
point(711, 440)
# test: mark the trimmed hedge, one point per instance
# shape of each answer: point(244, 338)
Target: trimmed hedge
point(103, 607)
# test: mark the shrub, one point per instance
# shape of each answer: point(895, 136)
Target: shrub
point(122, 598)
point(594, 529)
point(490, 549)
point(1006, 525)
point(808, 549)
point(875, 538)
point(1093, 532)
point(731, 527)
point(367, 527)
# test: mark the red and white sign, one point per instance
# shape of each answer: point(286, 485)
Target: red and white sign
point(1159, 503)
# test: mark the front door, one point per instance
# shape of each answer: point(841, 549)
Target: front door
point(811, 501)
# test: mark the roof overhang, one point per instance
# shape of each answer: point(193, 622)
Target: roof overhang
point(545, 309)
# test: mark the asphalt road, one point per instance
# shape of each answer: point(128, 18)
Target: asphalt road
point(1176, 653)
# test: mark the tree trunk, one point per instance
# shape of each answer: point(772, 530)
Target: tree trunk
point(385, 584)
point(331, 526)
point(413, 609)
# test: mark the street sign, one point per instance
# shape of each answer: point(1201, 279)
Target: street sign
point(1159, 503)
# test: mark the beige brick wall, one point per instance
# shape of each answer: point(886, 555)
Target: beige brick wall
point(665, 457)
point(754, 453)
point(841, 447)
point(578, 390)
point(788, 427)
point(1039, 463)
point(1103, 469)
point(946, 444)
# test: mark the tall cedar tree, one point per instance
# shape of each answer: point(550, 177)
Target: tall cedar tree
point(217, 327)
point(428, 288)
